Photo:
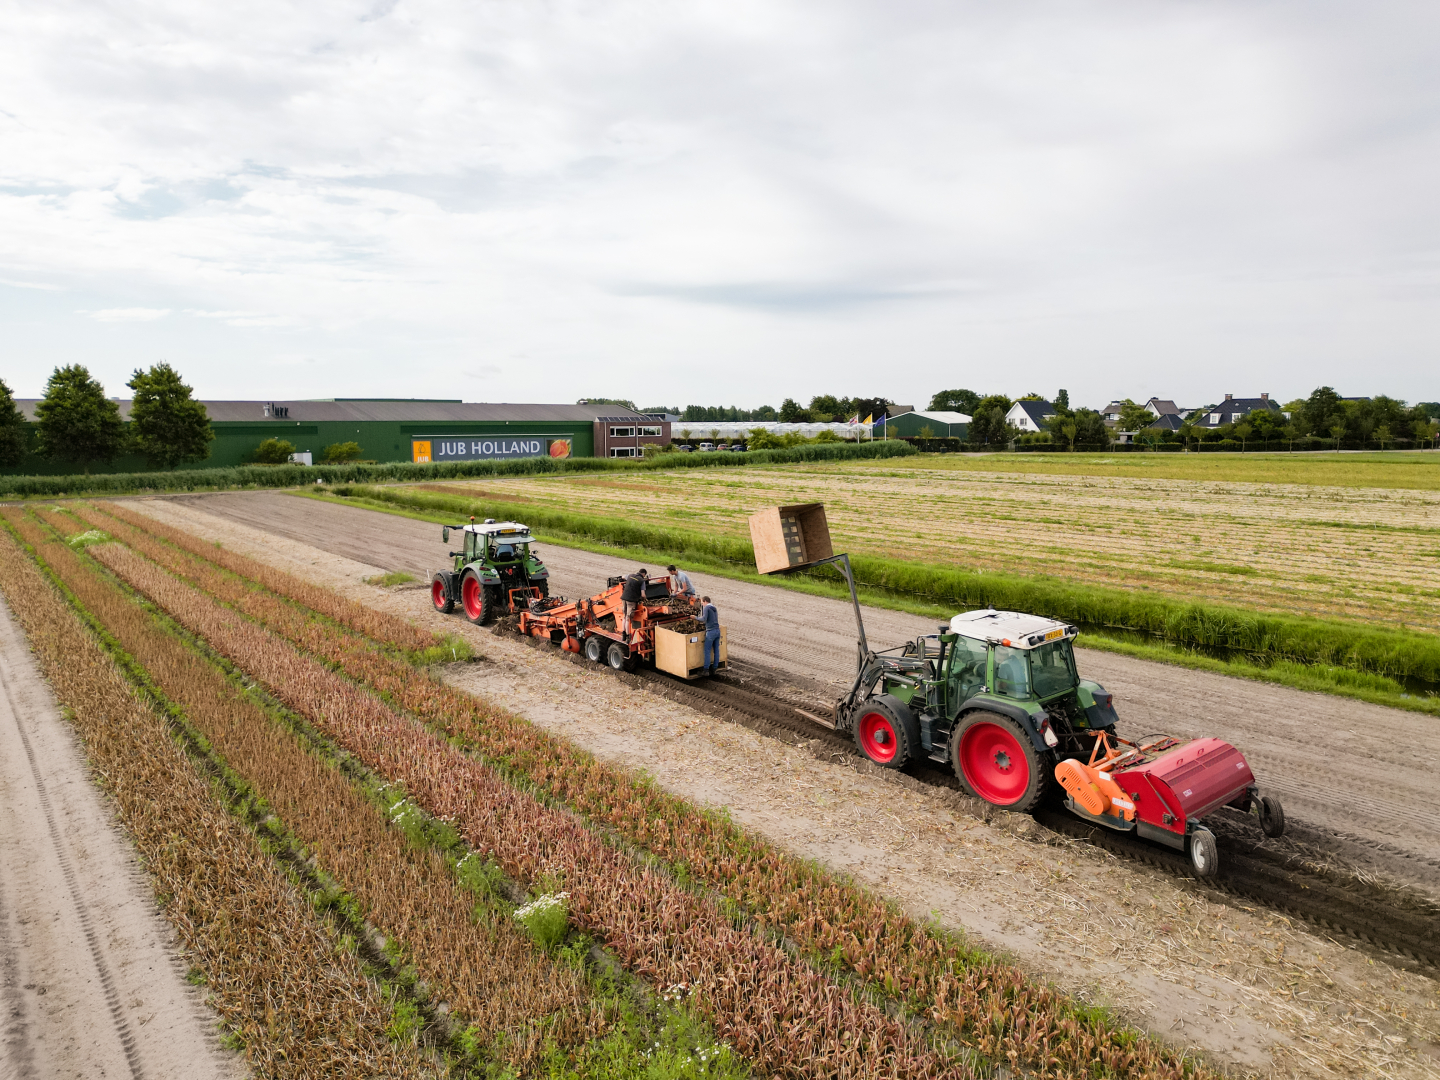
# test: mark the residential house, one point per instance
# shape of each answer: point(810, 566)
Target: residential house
point(1030, 416)
point(1232, 410)
point(1111, 413)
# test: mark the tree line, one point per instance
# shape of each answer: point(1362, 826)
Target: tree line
point(75, 422)
point(823, 409)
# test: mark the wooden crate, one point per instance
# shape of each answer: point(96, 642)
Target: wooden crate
point(684, 654)
point(787, 537)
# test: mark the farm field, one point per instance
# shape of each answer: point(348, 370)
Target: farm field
point(430, 837)
point(1255, 990)
point(1348, 552)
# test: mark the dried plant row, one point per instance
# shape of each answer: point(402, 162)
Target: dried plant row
point(378, 625)
point(483, 967)
point(303, 1009)
point(780, 1013)
point(983, 1003)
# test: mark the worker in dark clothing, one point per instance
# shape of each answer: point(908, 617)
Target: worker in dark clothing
point(632, 592)
point(711, 618)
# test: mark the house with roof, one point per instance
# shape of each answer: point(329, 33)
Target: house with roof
point(1030, 416)
point(1232, 410)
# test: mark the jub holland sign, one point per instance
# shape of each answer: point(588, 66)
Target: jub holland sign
point(487, 447)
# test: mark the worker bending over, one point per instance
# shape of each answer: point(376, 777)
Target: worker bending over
point(680, 582)
point(632, 592)
point(711, 618)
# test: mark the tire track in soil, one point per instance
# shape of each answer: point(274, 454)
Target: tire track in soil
point(1250, 869)
point(72, 884)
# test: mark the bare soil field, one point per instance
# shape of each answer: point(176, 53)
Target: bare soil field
point(1304, 549)
point(91, 979)
point(1385, 760)
point(1247, 987)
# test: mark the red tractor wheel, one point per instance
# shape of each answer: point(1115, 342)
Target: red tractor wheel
point(475, 599)
point(440, 594)
point(995, 759)
point(882, 736)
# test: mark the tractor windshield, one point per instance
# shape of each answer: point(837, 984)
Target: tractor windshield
point(1052, 668)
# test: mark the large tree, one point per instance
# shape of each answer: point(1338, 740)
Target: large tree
point(1135, 417)
point(961, 401)
point(166, 424)
point(13, 434)
point(987, 422)
point(76, 422)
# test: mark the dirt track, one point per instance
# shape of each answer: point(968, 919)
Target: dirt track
point(1357, 777)
point(90, 983)
point(1258, 992)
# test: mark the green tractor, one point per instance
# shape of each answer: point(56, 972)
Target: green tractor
point(995, 695)
point(496, 571)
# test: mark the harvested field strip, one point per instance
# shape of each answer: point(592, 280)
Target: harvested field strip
point(302, 1008)
point(516, 999)
point(983, 1003)
point(776, 1010)
point(1380, 650)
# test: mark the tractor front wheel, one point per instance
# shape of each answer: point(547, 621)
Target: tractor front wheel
point(595, 648)
point(995, 759)
point(475, 599)
point(883, 736)
point(440, 594)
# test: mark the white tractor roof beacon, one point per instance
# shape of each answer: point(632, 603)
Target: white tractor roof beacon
point(1012, 628)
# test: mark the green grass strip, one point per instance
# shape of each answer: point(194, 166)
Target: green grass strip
point(1343, 659)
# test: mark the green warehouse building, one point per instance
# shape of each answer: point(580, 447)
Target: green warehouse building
point(400, 429)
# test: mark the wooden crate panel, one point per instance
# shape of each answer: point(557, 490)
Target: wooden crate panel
point(786, 537)
point(682, 654)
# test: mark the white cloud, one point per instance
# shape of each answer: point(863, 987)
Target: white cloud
point(133, 314)
point(738, 201)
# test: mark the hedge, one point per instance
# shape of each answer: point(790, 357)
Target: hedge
point(277, 476)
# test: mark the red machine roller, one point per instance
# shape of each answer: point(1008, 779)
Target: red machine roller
point(1160, 790)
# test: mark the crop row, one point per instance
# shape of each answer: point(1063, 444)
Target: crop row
point(302, 1008)
point(980, 1002)
point(485, 968)
point(776, 1010)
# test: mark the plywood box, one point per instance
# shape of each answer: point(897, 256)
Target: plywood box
point(684, 654)
point(787, 537)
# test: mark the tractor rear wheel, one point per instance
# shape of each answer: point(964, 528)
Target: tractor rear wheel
point(1272, 816)
point(595, 648)
point(883, 736)
point(475, 599)
point(440, 594)
point(995, 760)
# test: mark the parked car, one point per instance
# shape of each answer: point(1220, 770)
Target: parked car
point(724, 446)
point(706, 447)
point(685, 448)
point(737, 448)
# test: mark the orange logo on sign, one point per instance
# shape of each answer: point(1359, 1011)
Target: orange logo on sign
point(420, 450)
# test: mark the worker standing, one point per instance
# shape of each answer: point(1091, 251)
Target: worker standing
point(711, 618)
point(680, 582)
point(632, 592)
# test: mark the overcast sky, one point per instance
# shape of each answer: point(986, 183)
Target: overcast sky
point(727, 202)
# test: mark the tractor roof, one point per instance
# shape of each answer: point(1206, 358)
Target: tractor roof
point(1013, 628)
point(510, 530)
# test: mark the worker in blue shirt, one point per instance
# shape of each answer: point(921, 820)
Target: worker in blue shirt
point(711, 618)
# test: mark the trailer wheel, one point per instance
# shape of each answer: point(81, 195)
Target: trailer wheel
point(440, 594)
point(1204, 855)
point(1272, 816)
point(595, 649)
point(475, 599)
point(618, 657)
point(995, 760)
point(882, 736)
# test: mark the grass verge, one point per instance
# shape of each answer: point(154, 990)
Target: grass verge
point(1298, 653)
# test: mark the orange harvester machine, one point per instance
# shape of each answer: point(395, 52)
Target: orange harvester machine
point(662, 631)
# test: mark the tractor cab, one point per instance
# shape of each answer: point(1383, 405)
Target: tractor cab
point(1021, 657)
point(496, 570)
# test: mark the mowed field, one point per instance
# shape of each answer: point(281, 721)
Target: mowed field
point(1354, 539)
